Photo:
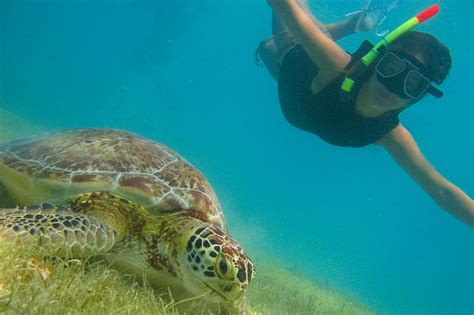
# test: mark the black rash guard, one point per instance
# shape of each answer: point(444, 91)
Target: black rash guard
point(326, 114)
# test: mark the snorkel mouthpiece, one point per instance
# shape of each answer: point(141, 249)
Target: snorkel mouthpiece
point(369, 58)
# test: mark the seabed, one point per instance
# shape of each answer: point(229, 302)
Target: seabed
point(33, 284)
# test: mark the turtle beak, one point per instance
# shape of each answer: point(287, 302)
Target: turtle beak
point(235, 291)
point(232, 292)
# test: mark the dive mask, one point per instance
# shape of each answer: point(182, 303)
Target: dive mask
point(403, 75)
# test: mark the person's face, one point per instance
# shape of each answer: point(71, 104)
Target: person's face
point(385, 96)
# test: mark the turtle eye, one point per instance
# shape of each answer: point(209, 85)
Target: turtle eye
point(222, 267)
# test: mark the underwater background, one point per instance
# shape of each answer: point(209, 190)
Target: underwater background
point(182, 73)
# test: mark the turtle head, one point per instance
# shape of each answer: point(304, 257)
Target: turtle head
point(216, 261)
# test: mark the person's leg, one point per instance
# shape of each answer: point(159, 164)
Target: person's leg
point(272, 50)
point(359, 21)
point(341, 29)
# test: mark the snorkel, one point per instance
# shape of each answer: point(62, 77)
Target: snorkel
point(373, 54)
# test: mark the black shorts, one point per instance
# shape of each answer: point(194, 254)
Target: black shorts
point(297, 72)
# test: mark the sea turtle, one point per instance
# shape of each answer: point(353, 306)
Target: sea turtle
point(135, 202)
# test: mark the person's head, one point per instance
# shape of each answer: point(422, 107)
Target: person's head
point(417, 51)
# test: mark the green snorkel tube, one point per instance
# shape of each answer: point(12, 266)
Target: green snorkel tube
point(363, 64)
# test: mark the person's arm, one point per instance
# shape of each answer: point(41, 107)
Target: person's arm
point(330, 58)
point(403, 148)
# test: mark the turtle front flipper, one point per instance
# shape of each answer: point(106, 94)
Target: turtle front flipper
point(5, 199)
point(66, 233)
point(126, 217)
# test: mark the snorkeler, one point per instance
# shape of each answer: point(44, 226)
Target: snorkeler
point(354, 100)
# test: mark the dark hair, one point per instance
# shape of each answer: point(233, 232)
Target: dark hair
point(435, 55)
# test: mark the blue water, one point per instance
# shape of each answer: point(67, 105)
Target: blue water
point(181, 72)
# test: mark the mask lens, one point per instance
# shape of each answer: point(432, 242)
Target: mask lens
point(416, 84)
point(390, 65)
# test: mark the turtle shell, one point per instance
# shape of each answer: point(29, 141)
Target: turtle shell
point(56, 166)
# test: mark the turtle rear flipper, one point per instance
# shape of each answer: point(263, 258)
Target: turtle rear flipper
point(66, 233)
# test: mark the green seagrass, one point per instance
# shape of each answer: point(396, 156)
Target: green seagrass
point(127, 199)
